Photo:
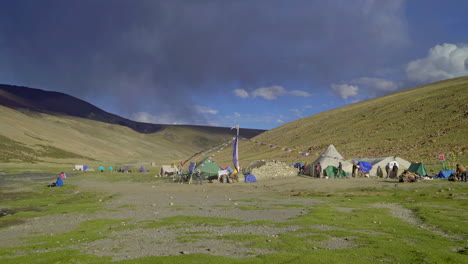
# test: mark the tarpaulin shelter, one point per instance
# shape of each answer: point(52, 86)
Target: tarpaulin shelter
point(418, 168)
point(298, 165)
point(250, 178)
point(445, 174)
point(364, 166)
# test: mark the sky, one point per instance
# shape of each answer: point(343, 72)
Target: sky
point(256, 63)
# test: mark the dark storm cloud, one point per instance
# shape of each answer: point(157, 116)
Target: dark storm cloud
point(172, 49)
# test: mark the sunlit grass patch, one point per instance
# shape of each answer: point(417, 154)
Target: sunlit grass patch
point(58, 200)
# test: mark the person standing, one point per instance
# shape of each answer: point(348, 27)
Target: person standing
point(353, 173)
point(387, 170)
point(394, 171)
point(340, 170)
point(199, 177)
point(318, 170)
point(461, 173)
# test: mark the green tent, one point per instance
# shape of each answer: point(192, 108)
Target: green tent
point(332, 172)
point(418, 168)
point(208, 167)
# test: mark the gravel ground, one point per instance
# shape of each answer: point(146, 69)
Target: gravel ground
point(146, 202)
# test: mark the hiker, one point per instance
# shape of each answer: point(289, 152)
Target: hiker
point(199, 176)
point(394, 173)
point(340, 170)
point(318, 170)
point(387, 170)
point(59, 182)
point(353, 172)
point(461, 173)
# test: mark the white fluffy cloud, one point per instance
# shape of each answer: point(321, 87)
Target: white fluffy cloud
point(300, 93)
point(345, 90)
point(241, 93)
point(205, 110)
point(379, 84)
point(148, 118)
point(269, 93)
point(443, 62)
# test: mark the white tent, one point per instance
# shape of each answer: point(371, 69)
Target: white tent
point(166, 170)
point(331, 157)
point(382, 162)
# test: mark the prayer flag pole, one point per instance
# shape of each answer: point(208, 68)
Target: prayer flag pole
point(235, 150)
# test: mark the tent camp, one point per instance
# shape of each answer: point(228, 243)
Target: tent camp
point(208, 167)
point(418, 168)
point(80, 167)
point(331, 157)
point(168, 170)
point(382, 162)
point(125, 168)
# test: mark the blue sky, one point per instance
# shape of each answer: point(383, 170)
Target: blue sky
point(259, 63)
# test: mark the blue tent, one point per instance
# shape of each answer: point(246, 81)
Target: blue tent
point(142, 169)
point(250, 178)
point(445, 174)
point(85, 167)
point(110, 169)
point(364, 166)
point(298, 165)
point(101, 168)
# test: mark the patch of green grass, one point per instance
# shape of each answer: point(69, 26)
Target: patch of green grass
point(11, 150)
point(58, 200)
point(53, 152)
point(289, 205)
point(88, 231)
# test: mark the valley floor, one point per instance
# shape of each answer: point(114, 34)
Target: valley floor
point(101, 218)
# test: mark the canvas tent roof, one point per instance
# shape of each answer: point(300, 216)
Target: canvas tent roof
point(331, 157)
point(382, 162)
point(208, 167)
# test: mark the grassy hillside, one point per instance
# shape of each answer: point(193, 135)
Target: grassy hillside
point(415, 124)
point(38, 138)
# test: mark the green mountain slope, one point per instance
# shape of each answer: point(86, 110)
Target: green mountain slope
point(415, 124)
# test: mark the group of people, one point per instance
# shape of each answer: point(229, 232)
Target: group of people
point(392, 170)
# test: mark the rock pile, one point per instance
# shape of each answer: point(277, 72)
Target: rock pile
point(272, 169)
